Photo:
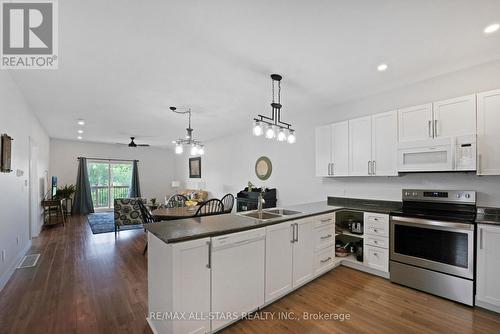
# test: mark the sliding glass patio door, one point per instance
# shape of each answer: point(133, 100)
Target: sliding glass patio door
point(108, 180)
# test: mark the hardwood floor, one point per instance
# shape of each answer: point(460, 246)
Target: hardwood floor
point(87, 283)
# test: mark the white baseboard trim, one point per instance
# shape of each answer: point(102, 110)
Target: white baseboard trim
point(6, 276)
point(488, 306)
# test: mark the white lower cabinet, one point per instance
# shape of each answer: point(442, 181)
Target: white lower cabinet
point(488, 267)
point(179, 283)
point(289, 257)
point(376, 241)
point(324, 260)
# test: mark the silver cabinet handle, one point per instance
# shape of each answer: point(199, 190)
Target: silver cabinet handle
point(375, 242)
point(369, 167)
point(326, 220)
point(480, 238)
point(480, 164)
point(297, 232)
point(328, 236)
point(436, 128)
point(329, 169)
point(430, 129)
point(326, 260)
point(333, 169)
point(375, 254)
point(374, 167)
point(209, 264)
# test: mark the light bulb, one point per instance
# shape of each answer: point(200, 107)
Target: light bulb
point(281, 135)
point(270, 132)
point(194, 150)
point(201, 150)
point(178, 148)
point(257, 129)
point(291, 137)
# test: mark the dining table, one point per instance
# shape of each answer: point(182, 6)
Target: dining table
point(174, 213)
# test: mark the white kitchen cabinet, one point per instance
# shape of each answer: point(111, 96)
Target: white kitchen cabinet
point(360, 146)
point(332, 149)
point(385, 144)
point(488, 133)
point(279, 260)
point(376, 257)
point(455, 117)
point(415, 123)
point(376, 241)
point(179, 281)
point(488, 267)
point(340, 149)
point(303, 252)
point(323, 150)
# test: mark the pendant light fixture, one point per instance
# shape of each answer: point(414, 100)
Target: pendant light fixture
point(196, 147)
point(272, 127)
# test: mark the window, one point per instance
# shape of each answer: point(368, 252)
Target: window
point(109, 180)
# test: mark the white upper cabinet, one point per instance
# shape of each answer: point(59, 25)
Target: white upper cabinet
point(415, 123)
point(384, 144)
point(360, 146)
point(323, 150)
point(455, 117)
point(340, 149)
point(488, 133)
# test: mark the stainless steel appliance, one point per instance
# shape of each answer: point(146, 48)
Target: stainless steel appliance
point(432, 243)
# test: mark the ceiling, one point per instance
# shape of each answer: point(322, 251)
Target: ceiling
point(122, 63)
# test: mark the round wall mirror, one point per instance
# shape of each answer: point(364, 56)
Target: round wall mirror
point(263, 168)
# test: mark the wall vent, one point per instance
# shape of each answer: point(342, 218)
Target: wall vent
point(28, 261)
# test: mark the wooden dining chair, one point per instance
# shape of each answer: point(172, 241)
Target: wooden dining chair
point(228, 201)
point(210, 207)
point(176, 201)
point(147, 218)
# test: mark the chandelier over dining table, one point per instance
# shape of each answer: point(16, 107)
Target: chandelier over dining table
point(273, 127)
point(196, 147)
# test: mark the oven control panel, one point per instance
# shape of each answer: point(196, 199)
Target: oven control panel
point(448, 196)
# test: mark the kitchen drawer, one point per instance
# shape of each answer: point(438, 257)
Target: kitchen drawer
point(324, 260)
point(324, 236)
point(323, 220)
point(377, 241)
point(377, 258)
point(376, 224)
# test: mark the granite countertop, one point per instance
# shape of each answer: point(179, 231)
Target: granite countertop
point(210, 226)
point(488, 216)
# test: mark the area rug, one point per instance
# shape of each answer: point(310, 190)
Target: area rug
point(104, 222)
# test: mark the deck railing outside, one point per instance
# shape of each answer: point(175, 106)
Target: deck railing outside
point(100, 195)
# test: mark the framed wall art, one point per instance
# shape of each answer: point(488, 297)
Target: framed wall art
point(6, 154)
point(195, 168)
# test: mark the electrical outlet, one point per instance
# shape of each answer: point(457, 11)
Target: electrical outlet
point(4, 255)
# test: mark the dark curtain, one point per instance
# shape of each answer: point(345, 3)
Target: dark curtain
point(135, 189)
point(82, 202)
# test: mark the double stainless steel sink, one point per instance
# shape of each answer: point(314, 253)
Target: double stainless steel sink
point(269, 214)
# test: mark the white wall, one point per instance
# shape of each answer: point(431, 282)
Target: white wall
point(156, 166)
point(229, 162)
point(18, 121)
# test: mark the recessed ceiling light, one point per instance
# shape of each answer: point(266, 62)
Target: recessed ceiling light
point(79, 137)
point(81, 122)
point(491, 28)
point(382, 67)
point(80, 131)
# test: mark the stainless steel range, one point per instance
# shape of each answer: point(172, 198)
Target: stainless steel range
point(432, 243)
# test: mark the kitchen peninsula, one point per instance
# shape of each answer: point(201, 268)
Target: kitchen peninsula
point(206, 273)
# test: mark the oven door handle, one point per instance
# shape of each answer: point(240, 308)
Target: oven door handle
point(430, 223)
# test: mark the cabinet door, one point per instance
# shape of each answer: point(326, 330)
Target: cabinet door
point(323, 150)
point(340, 148)
point(384, 143)
point(415, 123)
point(376, 258)
point(455, 117)
point(360, 146)
point(303, 252)
point(488, 265)
point(191, 284)
point(488, 133)
point(279, 259)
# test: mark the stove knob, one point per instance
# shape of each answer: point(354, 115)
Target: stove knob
point(415, 194)
point(407, 193)
point(467, 195)
point(459, 195)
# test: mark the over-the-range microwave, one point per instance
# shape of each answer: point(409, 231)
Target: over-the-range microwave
point(438, 155)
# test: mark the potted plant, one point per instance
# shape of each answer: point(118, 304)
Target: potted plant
point(153, 205)
point(66, 192)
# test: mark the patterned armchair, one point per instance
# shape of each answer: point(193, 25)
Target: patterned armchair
point(128, 212)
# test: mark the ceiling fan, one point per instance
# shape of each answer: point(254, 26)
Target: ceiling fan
point(133, 144)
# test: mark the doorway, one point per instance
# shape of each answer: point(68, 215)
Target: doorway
point(108, 180)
